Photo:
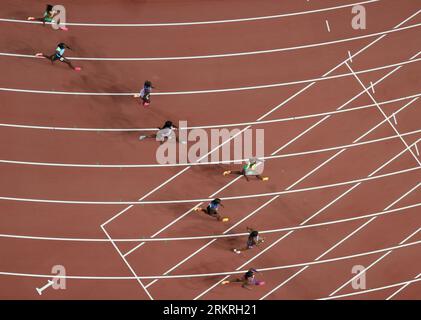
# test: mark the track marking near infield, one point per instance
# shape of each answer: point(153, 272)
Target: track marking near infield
point(239, 124)
point(272, 157)
point(375, 262)
point(405, 283)
point(127, 264)
point(193, 23)
point(46, 286)
point(400, 210)
point(306, 220)
point(214, 274)
point(280, 105)
point(223, 55)
point(314, 80)
point(339, 243)
point(382, 112)
point(327, 25)
point(403, 287)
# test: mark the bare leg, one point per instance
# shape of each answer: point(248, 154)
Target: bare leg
point(37, 19)
point(51, 58)
point(262, 178)
point(70, 64)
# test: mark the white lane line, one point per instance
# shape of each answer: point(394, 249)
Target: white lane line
point(223, 55)
point(226, 125)
point(405, 283)
point(271, 157)
point(250, 196)
point(305, 221)
point(193, 23)
point(338, 244)
point(214, 274)
point(384, 114)
point(350, 56)
point(327, 26)
point(416, 150)
point(273, 85)
point(372, 87)
point(400, 210)
point(374, 263)
point(127, 264)
point(402, 288)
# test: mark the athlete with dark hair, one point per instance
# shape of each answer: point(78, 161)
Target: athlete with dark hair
point(49, 15)
point(145, 93)
point(58, 55)
point(252, 241)
point(212, 210)
point(164, 134)
point(247, 280)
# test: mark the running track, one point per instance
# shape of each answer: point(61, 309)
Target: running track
point(372, 220)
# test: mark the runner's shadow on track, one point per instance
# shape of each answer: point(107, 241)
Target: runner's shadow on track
point(210, 267)
point(21, 48)
point(18, 14)
point(211, 172)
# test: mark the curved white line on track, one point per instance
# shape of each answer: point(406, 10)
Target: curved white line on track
point(23, 126)
point(169, 24)
point(200, 275)
point(207, 199)
point(274, 85)
point(225, 55)
point(371, 290)
point(84, 165)
point(219, 236)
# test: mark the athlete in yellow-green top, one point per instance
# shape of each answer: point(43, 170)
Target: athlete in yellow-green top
point(249, 169)
point(49, 15)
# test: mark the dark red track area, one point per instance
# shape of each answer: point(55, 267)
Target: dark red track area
point(24, 260)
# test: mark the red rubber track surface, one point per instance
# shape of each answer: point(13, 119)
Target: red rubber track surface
point(30, 256)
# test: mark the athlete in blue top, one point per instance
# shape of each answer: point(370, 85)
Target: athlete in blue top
point(212, 210)
point(59, 55)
